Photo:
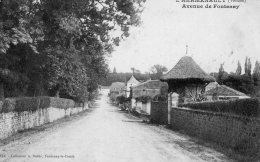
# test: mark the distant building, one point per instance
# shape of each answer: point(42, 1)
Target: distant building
point(131, 83)
point(150, 88)
point(223, 92)
point(116, 89)
point(105, 90)
point(187, 79)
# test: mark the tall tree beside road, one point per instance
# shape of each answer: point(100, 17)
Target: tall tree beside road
point(239, 69)
point(114, 70)
point(221, 73)
point(247, 83)
point(15, 41)
point(248, 66)
point(70, 37)
point(256, 75)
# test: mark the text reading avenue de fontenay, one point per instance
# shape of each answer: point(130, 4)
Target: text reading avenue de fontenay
point(211, 4)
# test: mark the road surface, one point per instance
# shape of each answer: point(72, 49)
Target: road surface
point(106, 135)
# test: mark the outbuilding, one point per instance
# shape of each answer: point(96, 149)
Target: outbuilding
point(223, 92)
point(188, 80)
point(145, 92)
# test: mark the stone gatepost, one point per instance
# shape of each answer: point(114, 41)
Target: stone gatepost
point(169, 107)
point(173, 99)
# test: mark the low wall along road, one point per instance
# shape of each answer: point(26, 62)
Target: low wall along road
point(25, 113)
point(240, 133)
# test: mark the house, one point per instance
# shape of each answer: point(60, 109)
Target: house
point(116, 89)
point(131, 83)
point(188, 80)
point(223, 92)
point(105, 90)
point(149, 90)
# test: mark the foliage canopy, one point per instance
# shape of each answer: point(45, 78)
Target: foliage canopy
point(60, 47)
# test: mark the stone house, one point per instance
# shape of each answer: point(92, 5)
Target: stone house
point(149, 89)
point(117, 89)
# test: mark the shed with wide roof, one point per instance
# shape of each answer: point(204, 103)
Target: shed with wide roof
point(187, 79)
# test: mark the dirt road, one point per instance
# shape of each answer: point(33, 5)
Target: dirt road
point(106, 135)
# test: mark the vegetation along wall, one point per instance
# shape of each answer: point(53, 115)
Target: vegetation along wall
point(18, 114)
point(241, 133)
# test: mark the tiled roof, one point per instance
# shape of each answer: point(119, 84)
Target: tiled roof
point(117, 86)
point(223, 90)
point(187, 69)
point(150, 88)
point(151, 84)
point(133, 80)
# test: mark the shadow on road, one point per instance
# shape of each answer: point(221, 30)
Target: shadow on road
point(133, 121)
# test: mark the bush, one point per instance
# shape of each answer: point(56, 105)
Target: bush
point(143, 99)
point(121, 99)
point(34, 103)
point(8, 105)
point(246, 107)
point(27, 104)
point(61, 103)
point(77, 104)
point(45, 102)
point(1, 105)
point(160, 98)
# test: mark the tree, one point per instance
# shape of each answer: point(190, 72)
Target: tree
point(13, 21)
point(157, 71)
point(256, 75)
point(14, 37)
point(71, 38)
point(246, 66)
point(221, 73)
point(239, 68)
point(257, 68)
point(134, 70)
point(249, 67)
point(114, 70)
point(85, 26)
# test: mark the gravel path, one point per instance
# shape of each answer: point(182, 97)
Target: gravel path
point(106, 135)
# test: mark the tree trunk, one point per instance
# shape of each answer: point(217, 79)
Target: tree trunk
point(57, 94)
point(2, 94)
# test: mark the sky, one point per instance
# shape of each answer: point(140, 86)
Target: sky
point(213, 36)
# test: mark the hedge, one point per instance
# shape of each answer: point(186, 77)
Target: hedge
point(121, 99)
point(143, 99)
point(1, 105)
point(27, 104)
point(8, 105)
point(160, 98)
point(61, 103)
point(34, 103)
point(245, 107)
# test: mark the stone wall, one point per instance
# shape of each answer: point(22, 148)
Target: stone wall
point(159, 112)
point(238, 132)
point(12, 122)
